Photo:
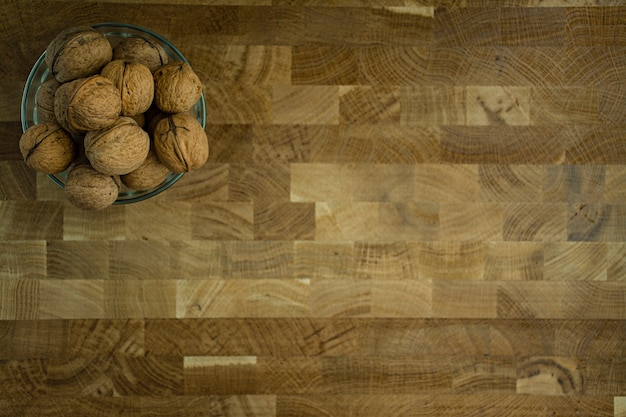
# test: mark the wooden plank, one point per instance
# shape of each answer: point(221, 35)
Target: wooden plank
point(514, 261)
point(228, 405)
point(562, 105)
point(359, 26)
point(595, 26)
point(161, 224)
point(477, 26)
point(532, 26)
point(452, 260)
point(245, 64)
point(302, 104)
point(86, 406)
point(530, 66)
point(284, 221)
point(93, 225)
point(275, 337)
point(590, 260)
point(237, 103)
point(536, 222)
point(206, 184)
point(258, 182)
point(77, 259)
point(324, 64)
point(220, 221)
point(22, 260)
point(369, 104)
point(20, 299)
point(489, 105)
point(18, 181)
point(393, 65)
point(71, 299)
point(45, 220)
point(442, 405)
point(151, 260)
point(574, 183)
point(502, 145)
point(376, 221)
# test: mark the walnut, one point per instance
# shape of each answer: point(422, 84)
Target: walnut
point(77, 52)
point(181, 143)
point(135, 83)
point(176, 87)
point(141, 50)
point(87, 104)
point(89, 189)
point(117, 149)
point(47, 148)
point(45, 100)
point(150, 174)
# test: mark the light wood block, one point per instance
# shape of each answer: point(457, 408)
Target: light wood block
point(317, 105)
point(23, 260)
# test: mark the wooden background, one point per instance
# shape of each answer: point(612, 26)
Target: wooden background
point(415, 209)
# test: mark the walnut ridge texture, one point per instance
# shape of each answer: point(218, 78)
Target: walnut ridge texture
point(77, 52)
point(181, 143)
point(45, 100)
point(89, 189)
point(141, 50)
point(87, 104)
point(150, 174)
point(176, 87)
point(135, 84)
point(117, 149)
point(47, 148)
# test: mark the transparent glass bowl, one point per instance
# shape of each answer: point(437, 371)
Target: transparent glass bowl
point(114, 32)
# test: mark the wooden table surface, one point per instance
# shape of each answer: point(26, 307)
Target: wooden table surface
point(415, 209)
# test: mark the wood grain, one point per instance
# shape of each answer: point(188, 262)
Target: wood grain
point(409, 208)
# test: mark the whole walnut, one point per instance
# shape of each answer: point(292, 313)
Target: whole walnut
point(141, 50)
point(181, 143)
point(176, 87)
point(150, 173)
point(135, 83)
point(47, 148)
point(89, 189)
point(87, 104)
point(119, 148)
point(45, 100)
point(77, 52)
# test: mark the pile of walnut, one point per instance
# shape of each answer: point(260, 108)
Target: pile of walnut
point(113, 116)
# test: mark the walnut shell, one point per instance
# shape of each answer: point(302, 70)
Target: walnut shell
point(150, 174)
point(117, 149)
point(87, 104)
point(89, 189)
point(77, 52)
point(176, 87)
point(181, 143)
point(47, 148)
point(135, 83)
point(45, 100)
point(141, 50)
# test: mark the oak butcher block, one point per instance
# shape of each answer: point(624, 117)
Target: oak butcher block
point(410, 207)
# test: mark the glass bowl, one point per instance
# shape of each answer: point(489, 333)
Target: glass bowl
point(114, 32)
